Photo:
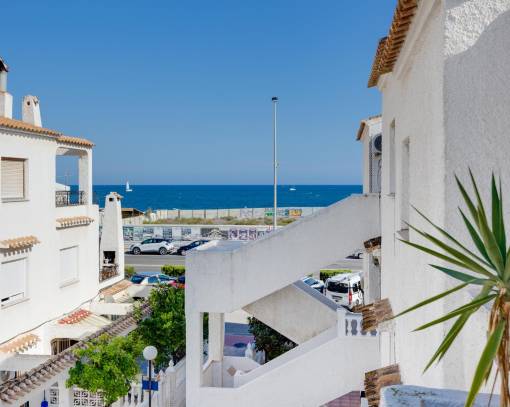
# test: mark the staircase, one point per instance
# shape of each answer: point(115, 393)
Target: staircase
point(262, 277)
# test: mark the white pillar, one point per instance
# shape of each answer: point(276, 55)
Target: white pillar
point(194, 355)
point(85, 175)
point(216, 335)
point(65, 395)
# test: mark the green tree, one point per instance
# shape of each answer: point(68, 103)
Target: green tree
point(165, 327)
point(488, 269)
point(106, 365)
point(268, 340)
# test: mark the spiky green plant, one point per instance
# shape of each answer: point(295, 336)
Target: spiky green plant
point(488, 269)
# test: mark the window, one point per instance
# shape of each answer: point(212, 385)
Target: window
point(68, 265)
point(337, 287)
point(405, 185)
point(13, 179)
point(13, 277)
point(392, 159)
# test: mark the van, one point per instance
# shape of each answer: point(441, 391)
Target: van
point(345, 289)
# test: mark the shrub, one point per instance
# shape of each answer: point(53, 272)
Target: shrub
point(129, 271)
point(327, 273)
point(268, 340)
point(173, 270)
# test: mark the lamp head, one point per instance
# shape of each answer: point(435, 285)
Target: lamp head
point(150, 353)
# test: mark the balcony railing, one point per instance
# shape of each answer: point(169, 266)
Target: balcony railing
point(70, 198)
point(108, 271)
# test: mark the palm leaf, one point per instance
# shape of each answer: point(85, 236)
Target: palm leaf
point(432, 299)
point(476, 238)
point(467, 200)
point(485, 362)
point(481, 209)
point(460, 276)
point(498, 225)
point(473, 305)
point(454, 240)
point(491, 244)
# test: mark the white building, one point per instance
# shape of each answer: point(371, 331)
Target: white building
point(442, 71)
point(53, 280)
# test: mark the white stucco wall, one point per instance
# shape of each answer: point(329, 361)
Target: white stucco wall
point(46, 297)
point(447, 94)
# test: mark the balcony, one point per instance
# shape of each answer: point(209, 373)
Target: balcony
point(70, 198)
point(108, 271)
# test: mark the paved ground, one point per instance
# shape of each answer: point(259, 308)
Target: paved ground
point(151, 262)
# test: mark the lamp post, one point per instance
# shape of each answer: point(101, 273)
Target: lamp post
point(275, 165)
point(149, 354)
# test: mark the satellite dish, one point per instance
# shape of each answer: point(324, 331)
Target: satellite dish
point(377, 143)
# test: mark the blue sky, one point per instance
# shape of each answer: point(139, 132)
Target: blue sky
point(180, 92)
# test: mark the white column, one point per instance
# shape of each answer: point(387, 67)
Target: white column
point(194, 355)
point(216, 335)
point(85, 175)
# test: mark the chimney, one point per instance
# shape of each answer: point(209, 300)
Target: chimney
point(31, 112)
point(5, 97)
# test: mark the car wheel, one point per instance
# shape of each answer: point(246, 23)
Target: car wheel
point(163, 251)
point(183, 252)
point(137, 251)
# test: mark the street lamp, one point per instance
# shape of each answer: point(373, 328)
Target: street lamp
point(274, 99)
point(149, 354)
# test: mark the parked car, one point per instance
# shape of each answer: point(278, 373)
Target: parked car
point(153, 245)
point(314, 283)
point(345, 289)
point(179, 282)
point(181, 251)
point(152, 279)
point(356, 255)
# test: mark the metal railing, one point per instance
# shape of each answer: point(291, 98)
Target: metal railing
point(108, 271)
point(70, 198)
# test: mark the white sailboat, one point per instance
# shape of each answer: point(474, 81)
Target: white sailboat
point(128, 188)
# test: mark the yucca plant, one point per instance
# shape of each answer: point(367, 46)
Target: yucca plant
point(488, 269)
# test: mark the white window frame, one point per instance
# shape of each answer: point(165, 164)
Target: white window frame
point(24, 295)
point(25, 179)
point(74, 279)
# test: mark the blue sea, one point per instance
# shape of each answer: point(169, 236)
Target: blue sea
point(225, 196)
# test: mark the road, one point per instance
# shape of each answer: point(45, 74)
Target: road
point(151, 262)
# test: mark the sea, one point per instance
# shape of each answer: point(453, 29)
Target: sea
point(144, 197)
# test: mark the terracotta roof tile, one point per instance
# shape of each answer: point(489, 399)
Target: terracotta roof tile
point(18, 242)
point(23, 126)
point(73, 221)
point(19, 344)
point(116, 288)
point(375, 313)
point(389, 47)
point(377, 379)
point(75, 317)
point(372, 244)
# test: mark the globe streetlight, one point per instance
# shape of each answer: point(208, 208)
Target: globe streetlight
point(149, 354)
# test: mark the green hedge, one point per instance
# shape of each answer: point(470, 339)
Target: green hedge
point(327, 273)
point(129, 271)
point(173, 270)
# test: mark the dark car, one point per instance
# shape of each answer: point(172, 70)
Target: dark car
point(181, 251)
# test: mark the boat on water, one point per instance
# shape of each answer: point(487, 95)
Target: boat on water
point(292, 189)
point(128, 187)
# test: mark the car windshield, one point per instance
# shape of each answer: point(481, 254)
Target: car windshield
point(337, 287)
point(153, 280)
point(163, 277)
point(309, 281)
point(137, 279)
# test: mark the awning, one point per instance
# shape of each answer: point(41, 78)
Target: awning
point(18, 242)
point(19, 344)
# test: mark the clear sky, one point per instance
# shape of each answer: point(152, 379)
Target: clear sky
point(180, 92)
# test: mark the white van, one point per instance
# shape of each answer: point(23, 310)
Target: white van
point(345, 289)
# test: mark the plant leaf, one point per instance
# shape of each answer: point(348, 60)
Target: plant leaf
point(481, 209)
point(490, 243)
point(473, 305)
point(432, 299)
point(467, 200)
point(498, 226)
point(454, 240)
point(476, 238)
point(485, 361)
point(460, 276)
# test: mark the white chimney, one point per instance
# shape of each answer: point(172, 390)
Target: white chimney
point(31, 113)
point(5, 97)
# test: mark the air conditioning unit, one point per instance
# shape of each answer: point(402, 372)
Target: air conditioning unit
point(377, 144)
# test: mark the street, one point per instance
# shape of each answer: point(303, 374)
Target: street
point(152, 262)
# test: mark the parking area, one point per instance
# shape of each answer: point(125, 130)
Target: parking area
point(152, 262)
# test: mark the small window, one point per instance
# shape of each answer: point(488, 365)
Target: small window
point(147, 241)
point(68, 264)
point(13, 179)
point(13, 277)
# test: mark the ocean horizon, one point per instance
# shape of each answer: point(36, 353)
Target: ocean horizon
point(144, 196)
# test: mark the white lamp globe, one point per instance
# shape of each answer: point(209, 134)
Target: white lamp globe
point(150, 353)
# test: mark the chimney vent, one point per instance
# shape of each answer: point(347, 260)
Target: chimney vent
point(5, 97)
point(31, 113)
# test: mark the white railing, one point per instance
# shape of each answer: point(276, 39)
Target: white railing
point(350, 324)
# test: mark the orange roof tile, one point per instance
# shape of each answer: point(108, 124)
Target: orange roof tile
point(73, 221)
point(75, 317)
point(389, 47)
point(19, 344)
point(18, 242)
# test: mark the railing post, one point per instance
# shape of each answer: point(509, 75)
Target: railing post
point(171, 385)
point(341, 321)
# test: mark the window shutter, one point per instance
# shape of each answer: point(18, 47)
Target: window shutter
point(68, 264)
point(12, 275)
point(13, 178)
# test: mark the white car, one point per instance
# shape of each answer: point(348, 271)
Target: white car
point(345, 289)
point(314, 283)
point(153, 245)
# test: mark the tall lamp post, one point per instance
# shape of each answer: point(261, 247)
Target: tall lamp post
point(149, 354)
point(275, 165)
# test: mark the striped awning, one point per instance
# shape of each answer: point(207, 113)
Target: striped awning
point(74, 221)
point(19, 344)
point(18, 242)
